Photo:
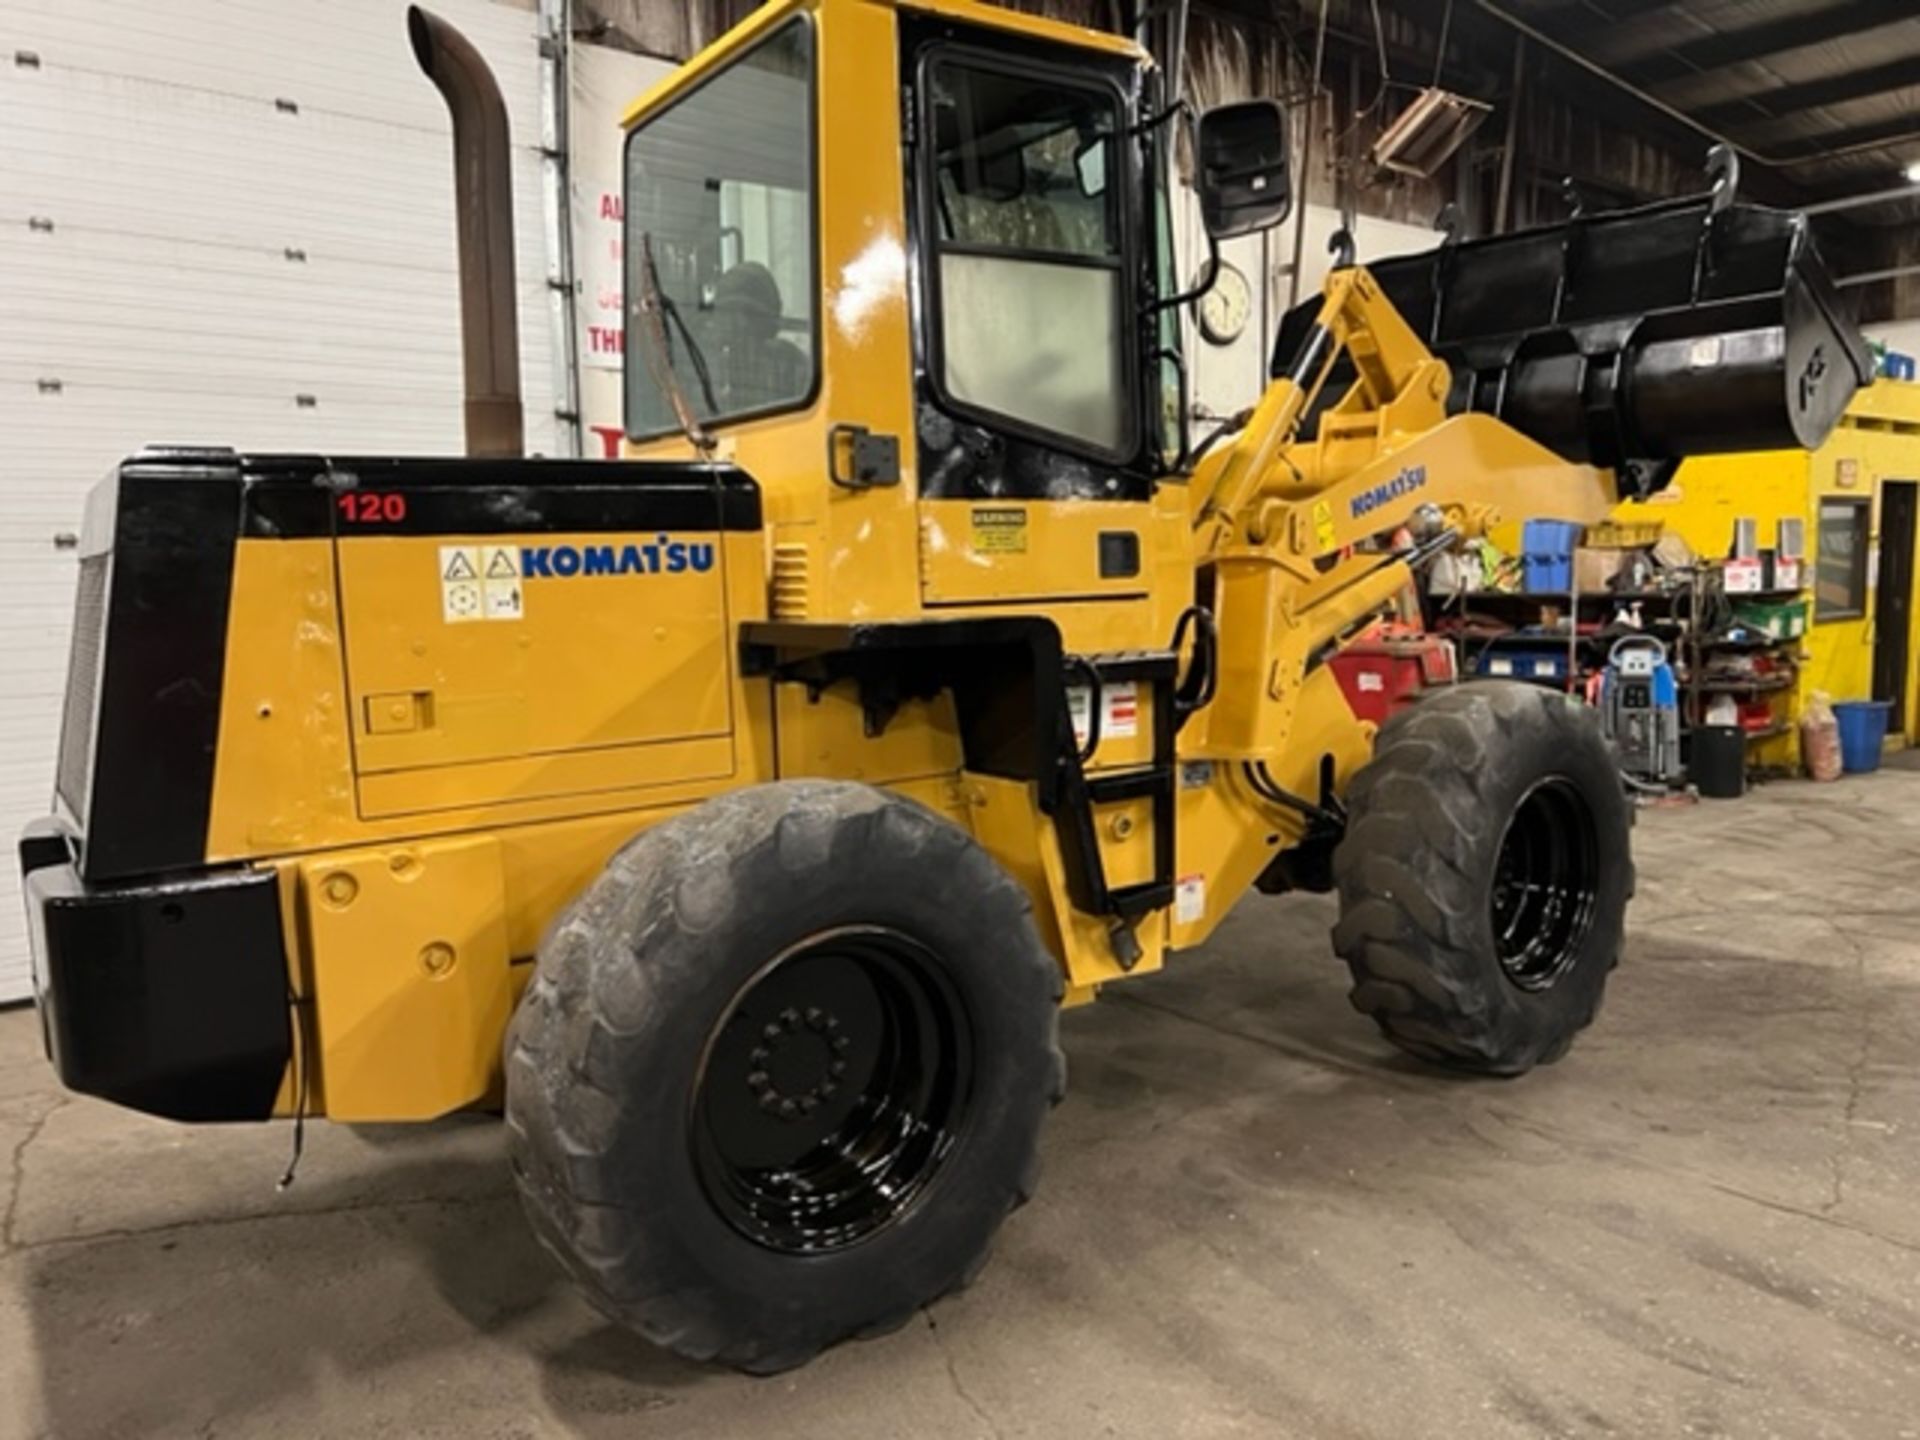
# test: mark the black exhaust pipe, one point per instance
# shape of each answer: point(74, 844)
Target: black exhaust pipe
point(483, 200)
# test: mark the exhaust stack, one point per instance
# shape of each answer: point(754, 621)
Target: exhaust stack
point(483, 200)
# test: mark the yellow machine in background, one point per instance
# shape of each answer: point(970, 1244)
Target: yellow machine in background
point(760, 798)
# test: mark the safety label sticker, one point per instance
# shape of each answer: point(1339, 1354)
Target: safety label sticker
point(1079, 708)
point(480, 582)
point(1119, 710)
point(1323, 532)
point(1189, 899)
point(1000, 530)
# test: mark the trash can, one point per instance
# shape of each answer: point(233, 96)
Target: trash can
point(1717, 761)
point(1863, 728)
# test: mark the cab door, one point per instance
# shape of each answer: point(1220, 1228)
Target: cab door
point(1035, 458)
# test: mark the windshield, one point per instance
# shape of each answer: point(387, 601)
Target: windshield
point(720, 195)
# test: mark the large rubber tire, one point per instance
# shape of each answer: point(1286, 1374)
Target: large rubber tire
point(607, 1104)
point(1428, 905)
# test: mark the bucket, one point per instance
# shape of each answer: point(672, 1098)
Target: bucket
point(1863, 726)
point(1717, 762)
point(1685, 327)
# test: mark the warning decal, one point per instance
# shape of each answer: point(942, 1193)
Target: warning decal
point(500, 571)
point(460, 584)
point(1000, 531)
point(480, 582)
point(1189, 899)
point(1323, 532)
point(1119, 710)
point(1079, 707)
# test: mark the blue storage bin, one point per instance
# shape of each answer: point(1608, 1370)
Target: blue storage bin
point(1546, 551)
point(1863, 730)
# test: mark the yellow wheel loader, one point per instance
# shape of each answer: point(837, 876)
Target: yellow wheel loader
point(739, 814)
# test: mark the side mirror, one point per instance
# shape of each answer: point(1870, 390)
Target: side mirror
point(1244, 179)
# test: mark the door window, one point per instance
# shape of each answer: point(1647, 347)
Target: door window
point(1027, 246)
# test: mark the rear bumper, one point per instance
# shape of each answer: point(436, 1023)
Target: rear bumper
point(167, 996)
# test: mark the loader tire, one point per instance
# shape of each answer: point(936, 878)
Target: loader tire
point(1484, 877)
point(781, 1070)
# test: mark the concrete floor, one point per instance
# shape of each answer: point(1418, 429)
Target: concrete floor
point(1256, 1219)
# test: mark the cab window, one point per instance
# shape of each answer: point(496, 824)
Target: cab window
point(719, 220)
point(1027, 245)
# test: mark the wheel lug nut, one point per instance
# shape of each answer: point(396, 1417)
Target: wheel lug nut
point(808, 1104)
point(769, 1102)
point(758, 1082)
point(838, 1067)
point(816, 1018)
point(828, 1089)
point(790, 1018)
point(760, 1055)
point(770, 1031)
point(789, 1108)
point(842, 1044)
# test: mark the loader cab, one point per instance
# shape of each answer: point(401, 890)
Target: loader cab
point(915, 273)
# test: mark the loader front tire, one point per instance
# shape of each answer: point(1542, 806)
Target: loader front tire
point(1484, 877)
point(780, 1074)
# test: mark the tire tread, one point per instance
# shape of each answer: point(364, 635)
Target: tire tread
point(1406, 874)
point(580, 1009)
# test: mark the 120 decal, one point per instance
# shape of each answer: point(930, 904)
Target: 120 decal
point(372, 507)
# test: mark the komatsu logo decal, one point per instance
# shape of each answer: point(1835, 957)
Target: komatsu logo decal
point(663, 555)
point(1411, 478)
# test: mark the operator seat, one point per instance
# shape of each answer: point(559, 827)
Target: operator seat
point(754, 367)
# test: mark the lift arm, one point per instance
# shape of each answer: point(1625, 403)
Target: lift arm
point(1279, 518)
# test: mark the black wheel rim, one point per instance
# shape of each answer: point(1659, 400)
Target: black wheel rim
point(832, 1090)
point(1546, 883)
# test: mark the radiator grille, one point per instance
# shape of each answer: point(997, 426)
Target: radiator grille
point(83, 683)
point(792, 583)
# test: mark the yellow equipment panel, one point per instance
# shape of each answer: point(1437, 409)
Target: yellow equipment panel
point(412, 980)
point(497, 668)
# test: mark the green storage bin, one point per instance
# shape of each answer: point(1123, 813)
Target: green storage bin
point(1783, 620)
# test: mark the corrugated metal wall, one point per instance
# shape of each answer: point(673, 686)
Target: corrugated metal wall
point(221, 222)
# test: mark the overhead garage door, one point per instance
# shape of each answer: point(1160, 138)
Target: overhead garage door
point(221, 222)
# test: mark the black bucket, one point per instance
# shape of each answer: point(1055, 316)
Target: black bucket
point(1633, 338)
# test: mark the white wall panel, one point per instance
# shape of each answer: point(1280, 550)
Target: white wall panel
point(164, 304)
